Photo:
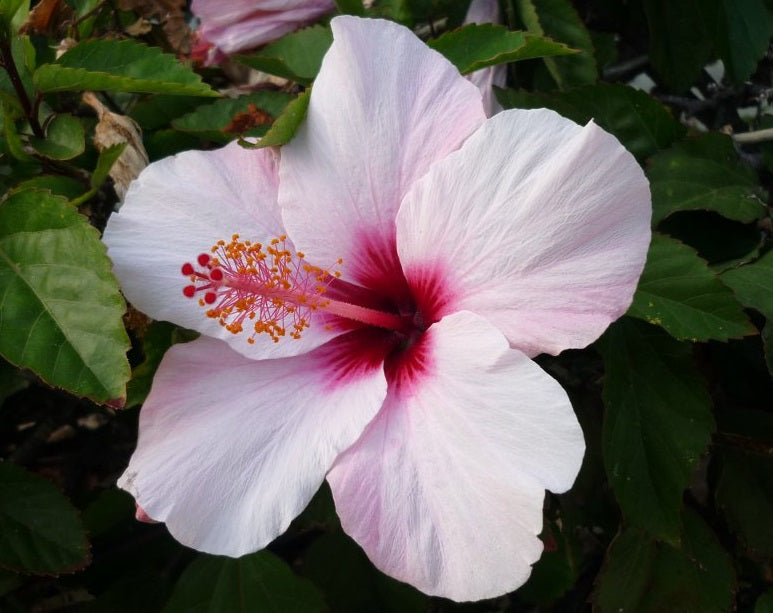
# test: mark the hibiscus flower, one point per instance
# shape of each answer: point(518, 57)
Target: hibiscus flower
point(230, 26)
point(369, 301)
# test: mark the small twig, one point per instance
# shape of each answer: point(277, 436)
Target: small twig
point(10, 67)
point(757, 136)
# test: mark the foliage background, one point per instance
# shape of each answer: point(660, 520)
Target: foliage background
point(673, 509)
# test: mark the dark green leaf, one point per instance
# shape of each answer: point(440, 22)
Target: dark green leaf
point(65, 139)
point(657, 424)
point(40, 531)
point(753, 284)
point(558, 20)
point(350, 583)
point(745, 496)
point(120, 65)
point(474, 46)
point(641, 575)
point(350, 7)
point(9, 581)
point(286, 125)
point(680, 44)
point(704, 173)
point(8, 10)
point(554, 573)
point(57, 184)
point(216, 121)
point(107, 157)
point(12, 138)
point(764, 603)
point(642, 124)
point(296, 56)
point(679, 292)
point(742, 32)
point(257, 582)
point(60, 308)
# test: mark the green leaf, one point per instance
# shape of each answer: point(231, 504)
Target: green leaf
point(679, 292)
point(65, 139)
point(680, 44)
point(704, 173)
point(286, 125)
point(40, 531)
point(57, 184)
point(119, 65)
point(350, 582)
point(12, 138)
point(8, 9)
point(60, 307)
point(753, 284)
point(296, 56)
point(742, 32)
point(350, 7)
point(11, 380)
point(764, 603)
point(640, 122)
point(744, 494)
point(212, 120)
point(107, 157)
point(558, 20)
point(474, 46)
point(641, 575)
point(257, 582)
point(657, 424)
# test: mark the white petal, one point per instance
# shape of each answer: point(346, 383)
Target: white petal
point(178, 208)
point(540, 225)
point(231, 450)
point(444, 490)
point(382, 109)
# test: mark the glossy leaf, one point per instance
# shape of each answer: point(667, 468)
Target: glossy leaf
point(559, 20)
point(642, 124)
point(119, 65)
point(753, 284)
point(657, 424)
point(679, 292)
point(285, 126)
point(65, 139)
point(704, 174)
point(257, 582)
point(643, 576)
point(60, 307)
point(475, 46)
point(296, 56)
point(40, 531)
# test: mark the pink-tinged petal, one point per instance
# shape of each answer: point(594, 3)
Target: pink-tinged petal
point(487, 11)
point(231, 449)
point(444, 490)
point(236, 25)
point(382, 109)
point(536, 223)
point(180, 207)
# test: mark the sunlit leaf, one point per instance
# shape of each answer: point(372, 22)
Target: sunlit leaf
point(657, 424)
point(680, 293)
point(60, 307)
point(477, 46)
point(40, 531)
point(296, 56)
point(119, 65)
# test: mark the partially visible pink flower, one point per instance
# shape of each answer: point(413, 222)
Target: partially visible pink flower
point(421, 255)
point(230, 26)
point(487, 11)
